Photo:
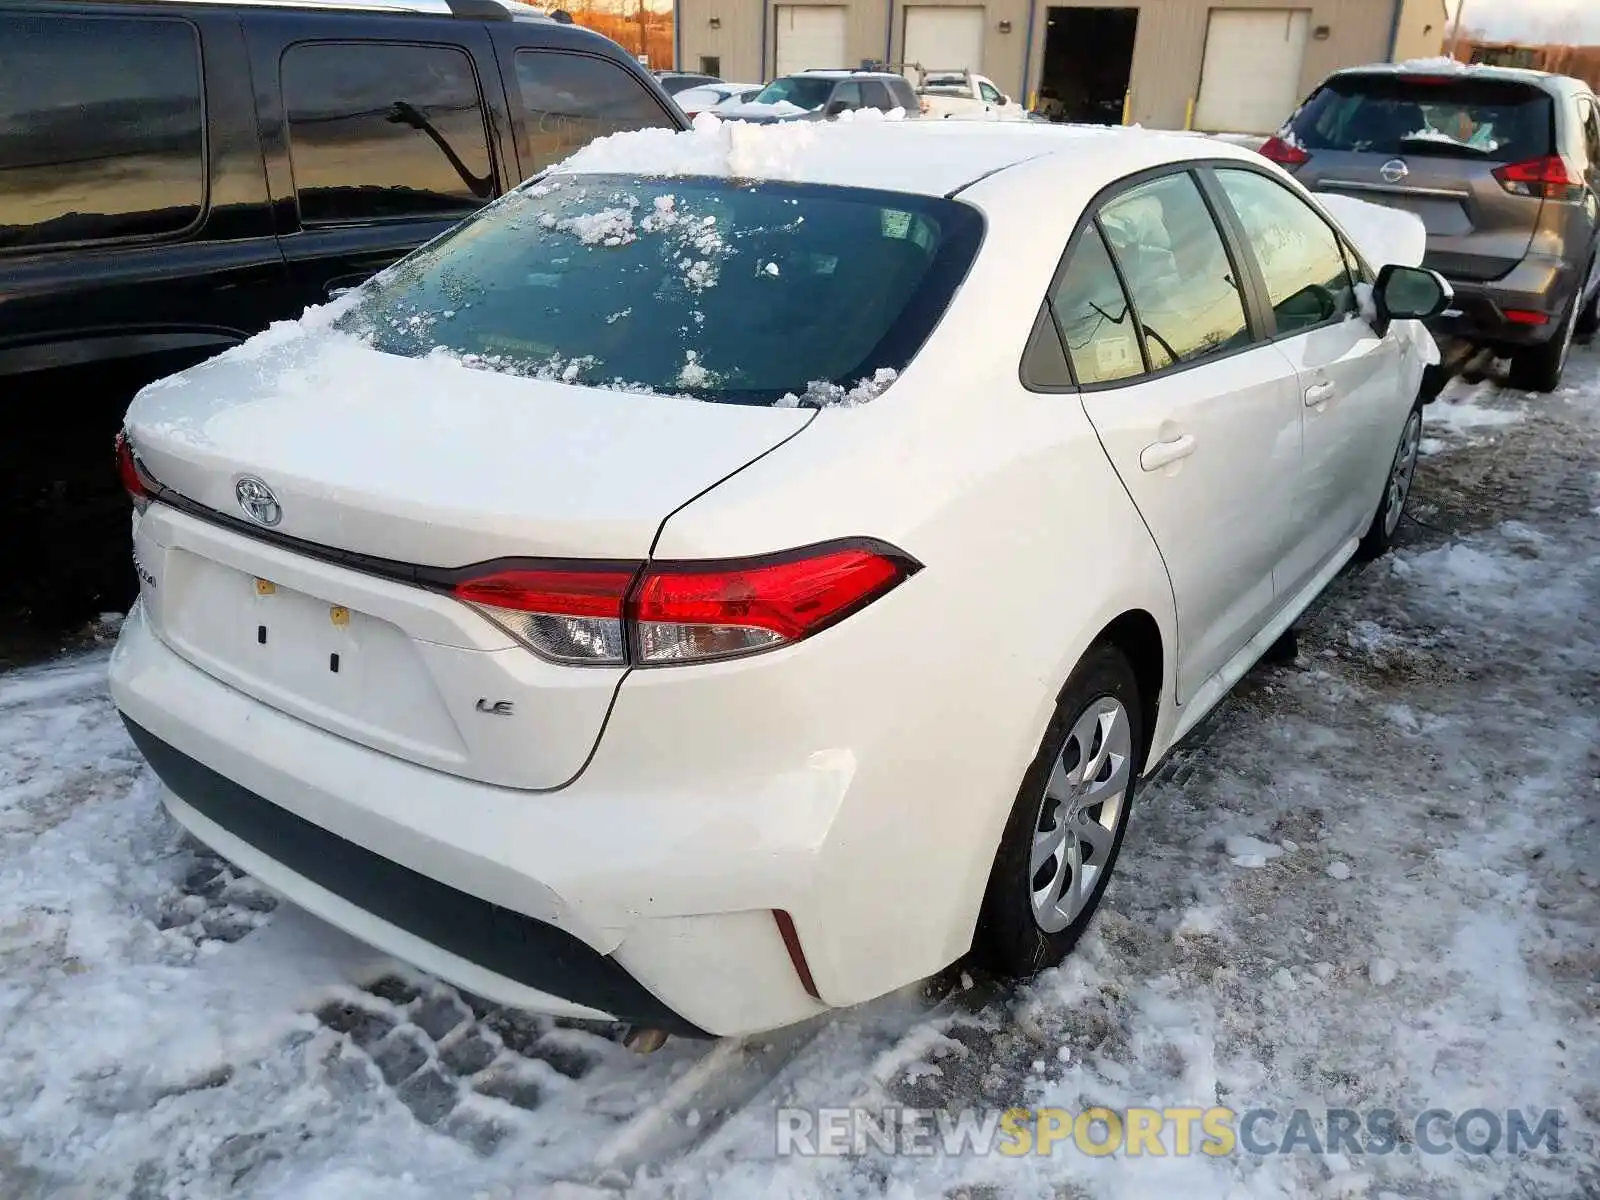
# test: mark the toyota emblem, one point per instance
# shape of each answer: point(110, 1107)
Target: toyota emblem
point(1394, 171)
point(257, 500)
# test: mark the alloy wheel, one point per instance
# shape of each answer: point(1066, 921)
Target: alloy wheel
point(1402, 473)
point(1085, 801)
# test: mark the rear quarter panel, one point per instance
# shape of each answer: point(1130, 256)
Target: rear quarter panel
point(935, 698)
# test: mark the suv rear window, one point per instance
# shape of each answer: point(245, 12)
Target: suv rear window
point(1494, 120)
point(772, 294)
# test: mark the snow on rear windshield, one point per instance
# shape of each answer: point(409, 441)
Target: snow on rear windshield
point(769, 293)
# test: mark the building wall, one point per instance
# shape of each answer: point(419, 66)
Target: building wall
point(1003, 53)
point(1168, 47)
point(1424, 24)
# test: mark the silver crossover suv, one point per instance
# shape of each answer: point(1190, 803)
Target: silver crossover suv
point(1503, 167)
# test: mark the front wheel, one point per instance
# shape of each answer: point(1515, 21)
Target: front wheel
point(1397, 490)
point(1067, 822)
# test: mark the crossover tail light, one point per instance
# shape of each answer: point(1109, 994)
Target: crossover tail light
point(665, 613)
point(1548, 178)
point(1526, 316)
point(134, 480)
point(1284, 153)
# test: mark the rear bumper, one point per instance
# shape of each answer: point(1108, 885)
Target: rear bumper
point(520, 897)
point(328, 874)
point(1537, 284)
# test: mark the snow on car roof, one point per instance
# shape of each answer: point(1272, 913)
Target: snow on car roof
point(867, 149)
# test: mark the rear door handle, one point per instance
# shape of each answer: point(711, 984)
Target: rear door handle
point(1161, 454)
point(1320, 393)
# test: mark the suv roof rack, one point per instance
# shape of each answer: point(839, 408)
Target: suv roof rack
point(475, 10)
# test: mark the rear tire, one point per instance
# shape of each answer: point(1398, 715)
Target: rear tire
point(1067, 822)
point(1396, 490)
point(1539, 368)
point(1588, 322)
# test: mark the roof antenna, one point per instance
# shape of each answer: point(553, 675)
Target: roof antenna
point(561, 16)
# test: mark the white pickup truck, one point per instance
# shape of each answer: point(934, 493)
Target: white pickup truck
point(964, 96)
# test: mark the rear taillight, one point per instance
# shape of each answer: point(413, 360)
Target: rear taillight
point(1284, 153)
point(134, 481)
point(1547, 178)
point(1526, 316)
point(569, 614)
point(666, 613)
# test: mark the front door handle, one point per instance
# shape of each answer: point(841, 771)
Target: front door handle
point(1161, 454)
point(1320, 393)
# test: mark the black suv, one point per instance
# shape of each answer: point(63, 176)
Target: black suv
point(176, 175)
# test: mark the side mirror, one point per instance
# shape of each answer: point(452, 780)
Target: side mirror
point(1410, 294)
point(835, 107)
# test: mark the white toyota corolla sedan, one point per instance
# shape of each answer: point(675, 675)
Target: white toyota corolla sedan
point(744, 570)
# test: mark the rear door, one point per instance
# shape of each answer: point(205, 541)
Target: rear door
point(1352, 407)
point(1200, 419)
point(378, 137)
point(1432, 145)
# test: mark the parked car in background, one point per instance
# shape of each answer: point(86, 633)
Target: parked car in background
point(1503, 167)
point(601, 666)
point(174, 176)
point(822, 94)
point(673, 82)
point(963, 95)
point(709, 97)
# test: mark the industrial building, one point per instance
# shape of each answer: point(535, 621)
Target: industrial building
point(1241, 67)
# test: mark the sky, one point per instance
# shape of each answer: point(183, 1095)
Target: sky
point(1572, 21)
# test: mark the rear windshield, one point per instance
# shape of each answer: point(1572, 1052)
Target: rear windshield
point(770, 293)
point(1487, 119)
point(797, 90)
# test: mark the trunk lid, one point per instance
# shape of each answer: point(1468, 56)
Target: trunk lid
point(426, 461)
point(1430, 145)
point(420, 462)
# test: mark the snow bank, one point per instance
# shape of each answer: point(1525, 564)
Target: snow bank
point(712, 147)
point(1384, 235)
point(1438, 65)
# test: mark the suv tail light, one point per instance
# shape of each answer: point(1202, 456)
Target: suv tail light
point(665, 613)
point(1546, 178)
point(1284, 153)
point(134, 480)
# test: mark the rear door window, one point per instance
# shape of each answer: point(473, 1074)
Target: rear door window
point(1457, 115)
point(1182, 284)
point(1308, 281)
point(904, 96)
point(1589, 111)
point(876, 95)
point(1093, 316)
point(384, 130)
point(571, 99)
point(846, 95)
point(101, 129)
point(782, 294)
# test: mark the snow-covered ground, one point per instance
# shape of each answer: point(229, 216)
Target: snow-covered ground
point(1372, 880)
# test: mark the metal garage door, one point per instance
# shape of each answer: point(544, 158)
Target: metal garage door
point(945, 38)
point(809, 36)
point(1250, 81)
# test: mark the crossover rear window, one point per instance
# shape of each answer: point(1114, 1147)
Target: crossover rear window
point(1492, 120)
point(712, 288)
